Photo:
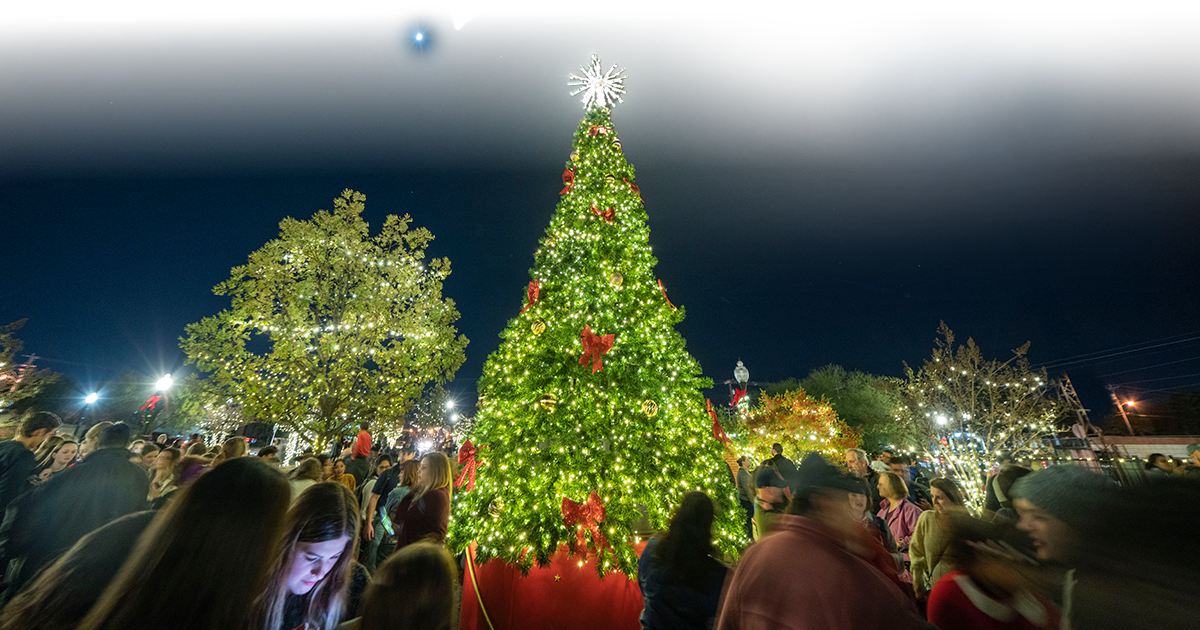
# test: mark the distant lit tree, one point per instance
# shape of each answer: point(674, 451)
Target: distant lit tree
point(865, 402)
point(798, 422)
point(330, 326)
point(19, 382)
point(968, 409)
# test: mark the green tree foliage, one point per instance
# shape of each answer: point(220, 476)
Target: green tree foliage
point(864, 401)
point(330, 326)
point(430, 410)
point(970, 409)
point(551, 427)
point(19, 382)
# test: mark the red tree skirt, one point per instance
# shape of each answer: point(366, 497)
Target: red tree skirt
point(562, 594)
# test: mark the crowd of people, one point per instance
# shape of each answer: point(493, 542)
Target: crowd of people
point(113, 532)
point(886, 545)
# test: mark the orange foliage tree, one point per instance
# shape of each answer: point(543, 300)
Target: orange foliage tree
point(801, 424)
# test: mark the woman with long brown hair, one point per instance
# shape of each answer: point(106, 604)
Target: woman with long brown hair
point(424, 513)
point(56, 460)
point(313, 572)
point(930, 542)
point(413, 590)
point(205, 560)
point(163, 482)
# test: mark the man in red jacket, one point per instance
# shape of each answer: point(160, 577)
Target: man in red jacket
point(804, 576)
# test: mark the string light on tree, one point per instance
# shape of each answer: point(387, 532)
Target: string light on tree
point(590, 414)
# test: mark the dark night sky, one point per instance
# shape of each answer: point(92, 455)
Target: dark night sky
point(835, 214)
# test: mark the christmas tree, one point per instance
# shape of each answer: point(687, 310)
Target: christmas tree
point(590, 413)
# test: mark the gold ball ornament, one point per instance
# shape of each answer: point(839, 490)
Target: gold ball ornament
point(495, 507)
point(550, 242)
point(574, 156)
point(538, 327)
point(616, 279)
point(616, 144)
point(548, 401)
point(650, 408)
point(610, 179)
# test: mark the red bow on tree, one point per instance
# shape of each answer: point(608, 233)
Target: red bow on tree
point(607, 215)
point(632, 186)
point(152, 404)
point(738, 394)
point(468, 464)
point(569, 180)
point(599, 129)
point(664, 292)
point(588, 516)
point(594, 345)
point(532, 292)
point(718, 432)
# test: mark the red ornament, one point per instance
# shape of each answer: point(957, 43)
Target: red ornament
point(738, 394)
point(594, 345)
point(607, 215)
point(599, 129)
point(718, 432)
point(568, 180)
point(632, 186)
point(587, 516)
point(532, 292)
point(664, 292)
point(467, 464)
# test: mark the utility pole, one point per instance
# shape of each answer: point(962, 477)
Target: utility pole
point(1121, 408)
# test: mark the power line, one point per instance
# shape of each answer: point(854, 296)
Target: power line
point(1151, 380)
point(1140, 343)
point(1167, 389)
point(1067, 361)
point(1150, 367)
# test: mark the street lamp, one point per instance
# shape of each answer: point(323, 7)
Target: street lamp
point(164, 383)
point(91, 398)
point(449, 404)
point(741, 374)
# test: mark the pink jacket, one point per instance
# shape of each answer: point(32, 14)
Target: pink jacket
point(902, 521)
point(800, 577)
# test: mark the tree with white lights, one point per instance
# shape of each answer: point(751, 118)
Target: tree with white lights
point(330, 326)
point(590, 412)
point(967, 409)
point(19, 381)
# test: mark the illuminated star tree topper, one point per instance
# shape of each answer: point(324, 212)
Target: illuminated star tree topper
point(600, 89)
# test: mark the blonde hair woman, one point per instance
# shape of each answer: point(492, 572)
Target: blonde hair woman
point(424, 513)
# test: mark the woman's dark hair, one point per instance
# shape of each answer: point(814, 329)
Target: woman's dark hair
point(321, 513)
point(149, 447)
point(686, 550)
point(948, 488)
point(309, 468)
point(970, 537)
point(268, 451)
point(206, 559)
point(413, 589)
point(1150, 461)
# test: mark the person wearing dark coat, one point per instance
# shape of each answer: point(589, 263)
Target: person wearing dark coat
point(785, 466)
point(16, 455)
point(45, 522)
point(360, 467)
